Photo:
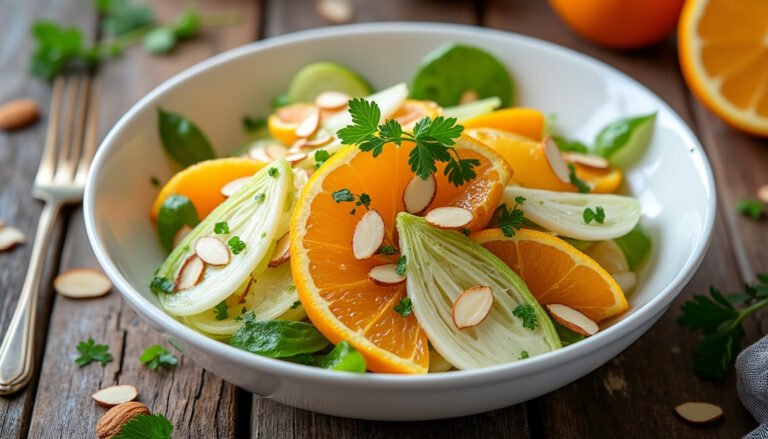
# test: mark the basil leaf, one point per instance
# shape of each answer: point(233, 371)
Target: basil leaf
point(566, 335)
point(182, 139)
point(176, 211)
point(160, 40)
point(187, 25)
point(636, 245)
point(623, 141)
point(343, 357)
point(278, 338)
point(564, 144)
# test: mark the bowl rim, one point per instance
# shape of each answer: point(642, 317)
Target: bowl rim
point(502, 372)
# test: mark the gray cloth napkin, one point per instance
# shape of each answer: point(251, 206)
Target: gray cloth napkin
point(752, 384)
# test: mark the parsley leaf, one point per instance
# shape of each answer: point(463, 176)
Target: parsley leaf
point(346, 196)
point(156, 356)
point(582, 187)
point(527, 314)
point(273, 172)
point(598, 215)
point(220, 310)
point(236, 245)
point(750, 208)
point(387, 250)
point(161, 285)
point(402, 265)
point(90, 351)
point(365, 119)
point(523, 355)
point(404, 308)
point(221, 228)
point(321, 156)
point(146, 426)
point(296, 304)
point(260, 197)
point(511, 220)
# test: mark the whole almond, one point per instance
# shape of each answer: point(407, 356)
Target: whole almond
point(18, 114)
point(113, 420)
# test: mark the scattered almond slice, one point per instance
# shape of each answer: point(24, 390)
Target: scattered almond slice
point(295, 158)
point(320, 141)
point(282, 253)
point(82, 283)
point(259, 153)
point(472, 306)
point(309, 125)
point(10, 237)
point(385, 275)
point(212, 251)
point(572, 319)
point(418, 194)
point(335, 11)
point(762, 193)
point(591, 160)
point(233, 186)
point(699, 412)
point(275, 151)
point(555, 160)
point(190, 273)
point(180, 234)
point(368, 235)
point(331, 100)
point(626, 280)
point(114, 395)
point(449, 217)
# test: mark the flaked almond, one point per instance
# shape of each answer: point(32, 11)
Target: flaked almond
point(699, 412)
point(335, 11)
point(555, 160)
point(591, 160)
point(212, 251)
point(190, 273)
point(113, 420)
point(18, 113)
point(368, 235)
point(385, 275)
point(275, 151)
point(82, 283)
point(259, 153)
point(449, 217)
point(320, 141)
point(295, 158)
point(418, 194)
point(181, 234)
point(472, 306)
point(331, 100)
point(233, 186)
point(10, 237)
point(114, 395)
point(309, 125)
point(572, 319)
point(626, 280)
point(281, 254)
point(762, 193)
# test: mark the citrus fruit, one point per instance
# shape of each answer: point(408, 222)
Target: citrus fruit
point(202, 183)
point(282, 124)
point(723, 48)
point(531, 167)
point(318, 77)
point(467, 111)
point(334, 286)
point(524, 121)
point(622, 142)
point(555, 272)
point(620, 24)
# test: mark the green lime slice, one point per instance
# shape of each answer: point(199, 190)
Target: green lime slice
point(326, 76)
point(455, 71)
point(636, 245)
point(623, 142)
point(472, 109)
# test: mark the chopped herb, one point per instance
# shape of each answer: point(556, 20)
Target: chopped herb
point(751, 208)
point(564, 144)
point(402, 265)
point(387, 250)
point(434, 139)
point(146, 426)
point(252, 124)
point(273, 172)
point(296, 304)
point(347, 196)
point(598, 215)
point(511, 220)
point(156, 356)
point(260, 197)
point(523, 355)
point(220, 310)
point(321, 156)
point(161, 285)
point(527, 314)
point(290, 287)
point(221, 228)
point(263, 234)
point(155, 181)
point(236, 244)
point(465, 231)
point(404, 308)
point(243, 310)
point(90, 351)
point(580, 185)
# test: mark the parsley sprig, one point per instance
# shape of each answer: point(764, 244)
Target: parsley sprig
point(582, 187)
point(434, 139)
point(156, 356)
point(404, 307)
point(597, 215)
point(90, 351)
point(719, 319)
point(347, 196)
point(511, 220)
point(527, 314)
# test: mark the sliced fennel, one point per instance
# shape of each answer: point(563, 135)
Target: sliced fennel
point(255, 222)
point(472, 109)
point(440, 265)
point(563, 212)
point(388, 100)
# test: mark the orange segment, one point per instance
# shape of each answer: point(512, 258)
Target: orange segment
point(334, 287)
point(283, 122)
point(556, 272)
point(723, 49)
point(202, 182)
point(527, 122)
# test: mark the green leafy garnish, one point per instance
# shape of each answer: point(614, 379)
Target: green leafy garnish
point(523, 355)
point(277, 338)
point(527, 314)
point(156, 356)
point(433, 138)
point(221, 228)
point(296, 304)
point(160, 40)
point(564, 144)
point(343, 357)
point(636, 245)
point(161, 284)
point(566, 335)
point(321, 156)
point(220, 310)
point(346, 196)
point(260, 197)
point(719, 320)
point(580, 185)
point(90, 351)
point(511, 220)
point(176, 212)
point(273, 172)
point(751, 208)
point(623, 141)
point(146, 427)
point(597, 215)
point(387, 250)
point(236, 245)
point(251, 124)
point(182, 139)
point(404, 308)
point(402, 265)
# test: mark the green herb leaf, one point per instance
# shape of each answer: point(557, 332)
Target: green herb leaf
point(624, 140)
point(597, 215)
point(156, 356)
point(122, 16)
point(187, 25)
point(296, 304)
point(402, 266)
point(570, 145)
point(56, 48)
point(251, 124)
point(751, 208)
point(176, 212)
point(636, 245)
point(365, 120)
point(510, 221)
point(236, 245)
point(146, 427)
point(277, 338)
point(161, 285)
point(281, 100)
point(221, 228)
point(220, 310)
point(321, 156)
point(580, 185)
point(161, 40)
point(527, 314)
point(346, 196)
point(404, 307)
point(343, 357)
point(566, 335)
point(90, 351)
point(182, 139)
point(523, 355)
point(387, 250)
point(260, 197)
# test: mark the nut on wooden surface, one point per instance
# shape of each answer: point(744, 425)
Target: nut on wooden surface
point(113, 420)
point(18, 113)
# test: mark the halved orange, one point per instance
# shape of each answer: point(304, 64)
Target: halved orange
point(334, 287)
point(527, 122)
point(556, 272)
point(202, 183)
point(723, 47)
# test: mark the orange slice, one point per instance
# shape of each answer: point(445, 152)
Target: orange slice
point(556, 272)
point(334, 287)
point(282, 124)
point(527, 158)
point(723, 47)
point(527, 122)
point(202, 183)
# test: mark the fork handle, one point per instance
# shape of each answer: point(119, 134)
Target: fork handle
point(17, 349)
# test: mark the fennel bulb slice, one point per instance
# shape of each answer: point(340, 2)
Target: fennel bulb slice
point(254, 219)
point(389, 101)
point(563, 212)
point(473, 109)
point(441, 264)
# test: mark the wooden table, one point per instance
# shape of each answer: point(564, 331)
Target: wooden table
point(631, 396)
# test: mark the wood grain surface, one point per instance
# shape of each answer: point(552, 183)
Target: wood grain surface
point(631, 396)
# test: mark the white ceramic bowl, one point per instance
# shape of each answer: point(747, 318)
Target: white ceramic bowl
point(673, 181)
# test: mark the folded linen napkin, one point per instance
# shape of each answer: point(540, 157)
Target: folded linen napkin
point(752, 384)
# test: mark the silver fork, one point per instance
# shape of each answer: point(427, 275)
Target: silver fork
point(60, 180)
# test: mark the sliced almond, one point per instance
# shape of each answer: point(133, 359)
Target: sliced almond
point(212, 251)
point(320, 141)
point(385, 275)
point(699, 412)
point(472, 306)
point(259, 153)
point(181, 234)
point(10, 237)
point(418, 194)
point(82, 283)
point(233, 186)
point(556, 160)
point(572, 319)
point(591, 160)
point(296, 157)
point(449, 217)
point(114, 395)
point(275, 151)
point(18, 114)
point(309, 125)
point(368, 235)
point(335, 11)
point(626, 280)
point(190, 273)
point(111, 422)
point(762, 193)
point(331, 100)
point(282, 253)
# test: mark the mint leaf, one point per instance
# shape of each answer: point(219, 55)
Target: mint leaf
point(146, 427)
point(343, 357)
point(277, 338)
point(156, 356)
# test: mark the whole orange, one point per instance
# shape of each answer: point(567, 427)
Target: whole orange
point(620, 24)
